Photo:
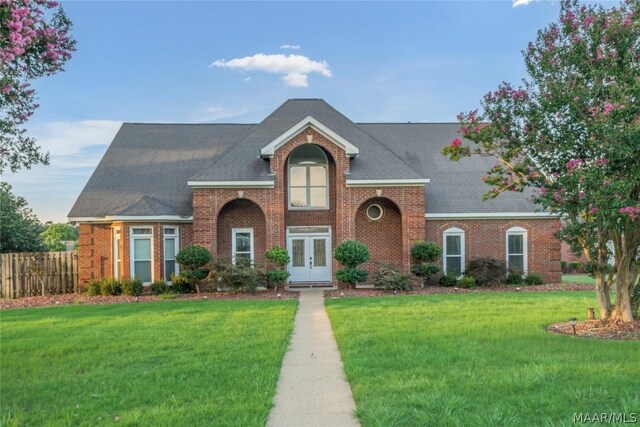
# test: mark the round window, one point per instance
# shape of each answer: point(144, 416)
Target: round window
point(374, 212)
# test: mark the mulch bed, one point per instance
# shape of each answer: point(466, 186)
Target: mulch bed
point(599, 329)
point(429, 290)
point(83, 299)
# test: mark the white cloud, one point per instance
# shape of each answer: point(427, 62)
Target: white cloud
point(66, 138)
point(214, 112)
point(290, 46)
point(517, 3)
point(295, 68)
point(247, 79)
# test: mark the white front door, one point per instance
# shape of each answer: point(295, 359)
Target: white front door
point(310, 258)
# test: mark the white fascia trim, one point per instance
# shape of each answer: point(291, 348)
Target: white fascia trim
point(269, 149)
point(387, 182)
point(494, 215)
point(129, 218)
point(231, 184)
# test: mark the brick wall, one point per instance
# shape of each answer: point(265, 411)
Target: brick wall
point(487, 238)
point(94, 252)
point(241, 213)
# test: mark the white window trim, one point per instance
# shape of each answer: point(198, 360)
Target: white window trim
point(132, 262)
point(518, 231)
point(234, 232)
point(176, 242)
point(117, 231)
point(308, 187)
point(453, 231)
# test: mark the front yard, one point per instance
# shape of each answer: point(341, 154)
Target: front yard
point(162, 364)
point(481, 359)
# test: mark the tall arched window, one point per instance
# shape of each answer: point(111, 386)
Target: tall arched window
point(308, 178)
point(453, 259)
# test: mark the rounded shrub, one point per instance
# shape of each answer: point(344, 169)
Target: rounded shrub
point(534, 279)
point(131, 287)
point(467, 282)
point(193, 257)
point(487, 271)
point(352, 276)
point(391, 278)
point(351, 254)
point(93, 288)
point(425, 251)
point(449, 279)
point(278, 256)
point(160, 287)
point(514, 279)
point(110, 287)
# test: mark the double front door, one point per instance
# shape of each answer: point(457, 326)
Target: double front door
point(310, 256)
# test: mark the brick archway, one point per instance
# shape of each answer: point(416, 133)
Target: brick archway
point(241, 213)
point(383, 236)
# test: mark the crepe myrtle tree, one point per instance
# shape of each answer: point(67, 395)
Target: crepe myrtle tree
point(571, 131)
point(34, 42)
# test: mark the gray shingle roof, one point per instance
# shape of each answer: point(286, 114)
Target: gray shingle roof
point(156, 161)
point(454, 187)
point(374, 160)
point(147, 166)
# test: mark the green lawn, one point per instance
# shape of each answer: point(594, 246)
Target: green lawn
point(479, 360)
point(578, 278)
point(208, 363)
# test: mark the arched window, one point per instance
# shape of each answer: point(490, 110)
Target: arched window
point(308, 178)
point(517, 250)
point(453, 260)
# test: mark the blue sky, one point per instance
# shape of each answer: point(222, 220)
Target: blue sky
point(373, 61)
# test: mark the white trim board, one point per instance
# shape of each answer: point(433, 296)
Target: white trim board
point(492, 215)
point(129, 218)
point(409, 182)
point(268, 150)
point(231, 184)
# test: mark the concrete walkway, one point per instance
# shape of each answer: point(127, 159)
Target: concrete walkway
point(312, 390)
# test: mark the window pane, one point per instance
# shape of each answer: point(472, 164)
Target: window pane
point(309, 154)
point(515, 244)
point(142, 248)
point(454, 264)
point(243, 242)
point(141, 231)
point(117, 250)
point(319, 252)
point(169, 269)
point(318, 197)
point(298, 176)
point(453, 245)
point(169, 249)
point(169, 231)
point(318, 176)
point(298, 253)
point(142, 270)
point(299, 197)
point(516, 263)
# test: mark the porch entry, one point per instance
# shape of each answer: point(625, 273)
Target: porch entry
point(310, 252)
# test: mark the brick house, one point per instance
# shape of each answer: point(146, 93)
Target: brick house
point(305, 178)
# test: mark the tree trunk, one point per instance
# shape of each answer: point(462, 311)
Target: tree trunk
point(624, 284)
point(603, 294)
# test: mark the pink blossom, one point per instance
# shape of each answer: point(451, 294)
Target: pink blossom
point(588, 20)
point(557, 197)
point(606, 182)
point(573, 163)
point(456, 142)
point(594, 210)
point(543, 190)
point(555, 175)
point(599, 54)
point(601, 162)
point(567, 17)
point(626, 21)
point(608, 107)
point(631, 211)
point(581, 195)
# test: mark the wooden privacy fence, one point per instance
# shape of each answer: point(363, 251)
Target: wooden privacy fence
point(38, 273)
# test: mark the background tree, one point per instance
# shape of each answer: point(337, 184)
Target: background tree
point(34, 42)
point(572, 131)
point(20, 229)
point(55, 234)
point(426, 254)
point(193, 260)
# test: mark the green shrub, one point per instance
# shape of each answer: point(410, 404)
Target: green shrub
point(352, 276)
point(181, 285)
point(193, 260)
point(110, 287)
point(351, 254)
point(425, 251)
point(514, 279)
point(486, 271)
point(93, 288)
point(242, 278)
point(280, 258)
point(391, 278)
point(449, 279)
point(160, 287)
point(576, 266)
point(131, 287)
point(534, 279)
point(467, 282)
point(635, 301)
point(563, 266)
